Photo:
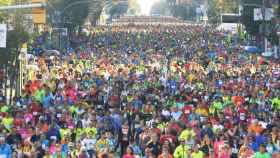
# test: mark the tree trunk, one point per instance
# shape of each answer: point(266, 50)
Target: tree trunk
point(6, 82)
point(12, 81)
point(14, 76)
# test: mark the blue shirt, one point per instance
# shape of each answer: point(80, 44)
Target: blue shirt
point(137, 104)
point(6, 150)
point(47, 101)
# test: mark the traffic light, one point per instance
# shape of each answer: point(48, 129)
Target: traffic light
point(39, 14)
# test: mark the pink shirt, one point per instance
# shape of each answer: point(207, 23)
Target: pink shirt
point(128, 156)
point(224, 155)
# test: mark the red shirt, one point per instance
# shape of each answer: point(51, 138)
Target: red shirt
point(18, 122)
point(175, 126)
point(168, 137)
point(187, 109)
point(242, 113)
point(157, 131)
point(187, 66)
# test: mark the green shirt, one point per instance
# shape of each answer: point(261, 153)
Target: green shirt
point(181, 151)
point(198, 154)
point(261, 155)
point(4, 109)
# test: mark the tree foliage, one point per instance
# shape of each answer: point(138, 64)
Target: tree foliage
point(133, 7)
point(213, 11)
point(3, 16)
point(118, 9)
point(247, 17)
point(69, 11)
point(16, 35)
point(159, 8)
point(229, 6)
point(95, 11)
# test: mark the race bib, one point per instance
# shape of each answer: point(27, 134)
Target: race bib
point(187, 111)
point(242, 116)
point(234, 150)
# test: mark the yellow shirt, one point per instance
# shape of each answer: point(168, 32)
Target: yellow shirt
point(7, 122)
point(186, 134)
point(201, 111)
point(91, 131)
point(100, 145)
point(198, 154)
point(64, 132)
point(79, 133)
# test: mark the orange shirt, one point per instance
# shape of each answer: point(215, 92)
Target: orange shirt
point(45, 127)
point(255, 128)
point(162, 156)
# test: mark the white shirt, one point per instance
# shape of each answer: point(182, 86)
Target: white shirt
point(89, 143)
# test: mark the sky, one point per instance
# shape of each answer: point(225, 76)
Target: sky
point(146, 6)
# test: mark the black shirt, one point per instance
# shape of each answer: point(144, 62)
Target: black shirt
point(13, 139)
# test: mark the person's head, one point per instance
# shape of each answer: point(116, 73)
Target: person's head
point(104, 156)
point(262, 148)
point(78, 145)
point(111, 155)
point(103, 135)
point(182, 141)
point(165, 150)
point(195, 148)
point(166, 142)
point(154, 137)
point(148, 152)
point(109, 134)
point(129, 150)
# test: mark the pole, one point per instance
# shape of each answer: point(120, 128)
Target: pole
point(263, 23)
point(21, 77)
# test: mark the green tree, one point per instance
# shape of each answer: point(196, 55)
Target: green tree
point(118, 9)
point(133, 7)
point(3, 16)
point(247, 17)
point(159, 8)
point(213, 11)
point(229, 6)
point(9, 56)
point(73, 12)
point(96, 11)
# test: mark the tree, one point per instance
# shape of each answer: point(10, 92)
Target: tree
point(181, 11)
point(229, 6)
point(133, 7)
point(118, 9)
point(95, 11)
point(71, 12)
point(159, 8)
point(3, 16)
point(213, 11)
point(9, 57)
point(247, 17)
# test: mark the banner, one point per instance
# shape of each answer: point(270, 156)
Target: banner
point(3, 35)
point(39, 14)
point(258, 14)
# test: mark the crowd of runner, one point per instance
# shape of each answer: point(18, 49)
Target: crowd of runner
point(145, 92)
